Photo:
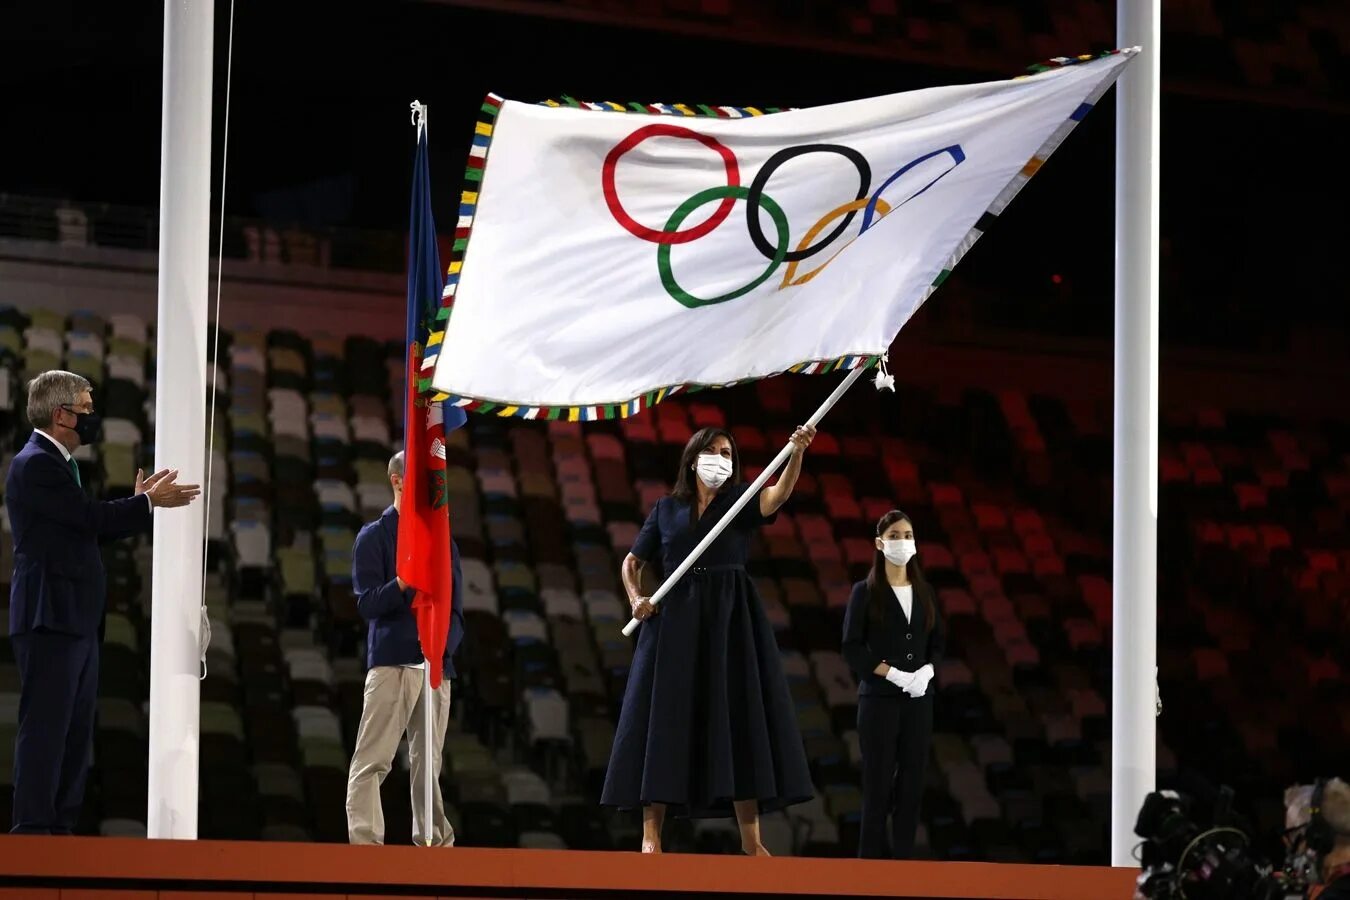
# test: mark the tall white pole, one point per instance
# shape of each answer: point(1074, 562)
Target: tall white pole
point(429, 822)
point(180, 415)
point(1134, 639)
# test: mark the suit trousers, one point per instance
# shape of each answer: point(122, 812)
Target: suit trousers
point(393, 706)
point(894, 734)
point(58, 696)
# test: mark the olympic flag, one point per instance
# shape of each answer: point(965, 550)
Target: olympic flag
point(607, 257)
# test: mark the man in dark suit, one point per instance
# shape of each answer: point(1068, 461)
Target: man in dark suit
point(394, 693)
point(57, 596)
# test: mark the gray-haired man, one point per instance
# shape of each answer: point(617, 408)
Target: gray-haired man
point(57, 593)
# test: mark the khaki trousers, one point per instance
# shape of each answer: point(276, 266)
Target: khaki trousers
point(392, 707)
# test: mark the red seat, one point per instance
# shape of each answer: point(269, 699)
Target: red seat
point(946, 495)
point(1196, 455)
point(1250, 496)
point(1274, 536)
point(813, 527)
point(955, 601)
point(673, 432)
point(1321, 560)
point(1036, 544)
point(1207, 476)
point(935, 556)
point(640, 429)
point(1047, 564)
point(786, 548)
point(843, 506)
point(825, 444)
point(1173, 470)
point(704, 415)
point(989, 517)
point(1209, 532)
point(985, 586)
point(751, 440)
point(1240, 536)
point(1011, 562)
point(1210, 664)
point(859, 448)
point(821, 551)
point(873, 508)
point(800, 592)
point(963, 542)
point(976, 563)
point(1027, 522)
point(859, 551)
point(835, 483)
point(1210, 419)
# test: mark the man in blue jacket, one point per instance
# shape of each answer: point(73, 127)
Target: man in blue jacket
point(394, 691)
point(57, 594)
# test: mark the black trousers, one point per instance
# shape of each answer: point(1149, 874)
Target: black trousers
point(58, 677)
point(894, 734)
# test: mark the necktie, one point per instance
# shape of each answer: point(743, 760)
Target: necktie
point(75, 468)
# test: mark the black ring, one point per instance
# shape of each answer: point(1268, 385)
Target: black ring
point(762, 243)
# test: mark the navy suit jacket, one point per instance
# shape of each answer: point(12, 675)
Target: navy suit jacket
point(59, 583)
point(391, 638)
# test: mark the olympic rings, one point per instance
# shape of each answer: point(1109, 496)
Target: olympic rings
point(771, 166)
point(731, 193)
point(637, 229)
point(851, 208)
point(873, 208)
point(958, 156)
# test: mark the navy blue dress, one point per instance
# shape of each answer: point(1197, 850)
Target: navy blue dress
point(707, 717)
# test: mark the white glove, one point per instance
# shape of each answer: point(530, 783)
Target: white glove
point(919, 686)
point(902, 680)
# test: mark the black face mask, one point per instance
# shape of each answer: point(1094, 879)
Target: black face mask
point(88, 426)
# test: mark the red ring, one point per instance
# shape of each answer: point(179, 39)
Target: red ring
point(655, 235)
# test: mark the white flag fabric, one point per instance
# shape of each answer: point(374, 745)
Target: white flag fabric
point(607, 257)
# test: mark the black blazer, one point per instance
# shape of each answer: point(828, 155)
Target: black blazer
point(907, 646)
point(59, 583)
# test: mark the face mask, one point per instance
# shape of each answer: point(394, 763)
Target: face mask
point(713, 470)
point(88, 426)
point(898, 552)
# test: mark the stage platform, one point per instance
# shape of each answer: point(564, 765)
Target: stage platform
point(72, 868)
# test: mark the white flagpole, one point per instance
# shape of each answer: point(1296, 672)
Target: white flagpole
point(1134, 633)
point(428, 719)
point(180, 412)
point(745, 498)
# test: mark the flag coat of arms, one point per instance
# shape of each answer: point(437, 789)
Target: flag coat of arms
point(608, 256)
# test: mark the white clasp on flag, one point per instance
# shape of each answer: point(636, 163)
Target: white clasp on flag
point(884, 381)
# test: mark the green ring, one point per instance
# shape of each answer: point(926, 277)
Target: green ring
point(682, 212)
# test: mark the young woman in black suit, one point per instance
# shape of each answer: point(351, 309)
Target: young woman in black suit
point(893, 638)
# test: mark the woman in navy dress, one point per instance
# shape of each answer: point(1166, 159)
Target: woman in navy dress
point(708, 727)
point(893, 638)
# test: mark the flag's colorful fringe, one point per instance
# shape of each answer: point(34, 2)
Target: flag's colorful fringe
point(473, 178)
point(468, 204)
point(1059, 62)
point(666, 109)
point(602, 412)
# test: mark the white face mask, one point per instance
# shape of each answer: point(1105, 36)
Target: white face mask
point(713, 470)
point(898, 552)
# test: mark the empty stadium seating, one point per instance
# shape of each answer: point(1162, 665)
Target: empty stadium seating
point(1010, 495)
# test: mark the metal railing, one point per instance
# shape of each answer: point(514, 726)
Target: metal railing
point(84, 224)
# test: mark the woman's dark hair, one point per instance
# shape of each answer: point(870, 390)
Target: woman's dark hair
point(880, 597)
point(685, 490)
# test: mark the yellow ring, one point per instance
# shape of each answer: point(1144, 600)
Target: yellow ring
point(882, 209)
